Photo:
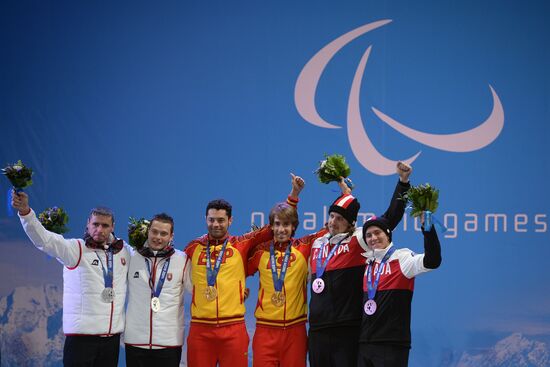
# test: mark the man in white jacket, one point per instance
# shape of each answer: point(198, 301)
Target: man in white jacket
point(94, 284)
point(156, 281)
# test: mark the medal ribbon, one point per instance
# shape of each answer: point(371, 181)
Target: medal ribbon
point(429, 220)
point(212, 274)
point(107, 274)
point(279, 280)
point(320, 266)
point(10, 196)
point(164, 271)
point(370, 287)
point(10, 209)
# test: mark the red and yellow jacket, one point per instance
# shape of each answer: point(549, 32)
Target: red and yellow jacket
point(228, 307)
point(294, 309)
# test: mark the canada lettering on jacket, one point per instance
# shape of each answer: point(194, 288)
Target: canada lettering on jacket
point(343, 248)
point(386, 269)
point(214, 256)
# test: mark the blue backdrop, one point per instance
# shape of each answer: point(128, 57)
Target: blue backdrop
point(149, 108)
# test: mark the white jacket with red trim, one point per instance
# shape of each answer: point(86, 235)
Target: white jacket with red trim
point(162, 329)
point(84, 312)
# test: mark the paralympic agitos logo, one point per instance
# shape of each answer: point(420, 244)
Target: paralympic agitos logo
point(361, 145)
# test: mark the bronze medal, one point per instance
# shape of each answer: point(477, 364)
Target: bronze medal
point(278, 298)
point(210, 292)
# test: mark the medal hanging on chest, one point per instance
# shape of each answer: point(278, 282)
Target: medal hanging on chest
point(278, 298)
point(210, 292)
point(108, 293)
point(318, 284)
point(155, 291)
point(155, 304)
point(371, 306)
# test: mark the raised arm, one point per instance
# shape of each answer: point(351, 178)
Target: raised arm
point(414, 265)
point(67, 252)
point(298, 184)
point(432, 247)
point(396, 209)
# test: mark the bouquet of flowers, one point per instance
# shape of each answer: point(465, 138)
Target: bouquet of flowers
point(332, 168)
point(54, 220)
point(19, 175)
point(422, 198)
point(137, 232)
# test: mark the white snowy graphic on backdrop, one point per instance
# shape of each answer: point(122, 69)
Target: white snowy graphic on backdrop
point(30, 327)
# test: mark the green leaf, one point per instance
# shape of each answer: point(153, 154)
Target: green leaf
point(137, 232)
point(19, 175)
point(422, 198)
point(332, 168)
point(55, 220)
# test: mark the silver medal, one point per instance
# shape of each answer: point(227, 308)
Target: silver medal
point(370, 307)
point(318, 285)
point(108, 295)
point(155, 304)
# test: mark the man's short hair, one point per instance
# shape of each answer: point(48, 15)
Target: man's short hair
point(284, 212)
point(102, 210)
point(219, 204)
point(164, 218)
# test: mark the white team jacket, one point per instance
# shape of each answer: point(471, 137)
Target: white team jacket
point(148, 329)
point(84, 312)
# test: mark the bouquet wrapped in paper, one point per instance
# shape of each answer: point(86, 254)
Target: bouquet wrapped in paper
point(423, 199)
point(19, 175)
point(54, 219)
point(332, 168)
point(137, 232)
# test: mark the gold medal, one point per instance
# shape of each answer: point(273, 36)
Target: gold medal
point(278, 298)
point(210, 292)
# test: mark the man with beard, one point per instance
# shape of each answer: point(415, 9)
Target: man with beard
point(94, 284)
point(337, 265)
point(218, 333)
point(156, 279)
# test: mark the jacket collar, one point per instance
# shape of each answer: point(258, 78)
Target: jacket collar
point(377, 254)
point(205, 240)
point(146, 251)
point(283, 246)
point(113, 243)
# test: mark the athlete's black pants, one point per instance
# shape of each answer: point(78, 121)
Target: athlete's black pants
point(91, 351)
point(140, 357)
point(333, 347)
point(381, 355)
